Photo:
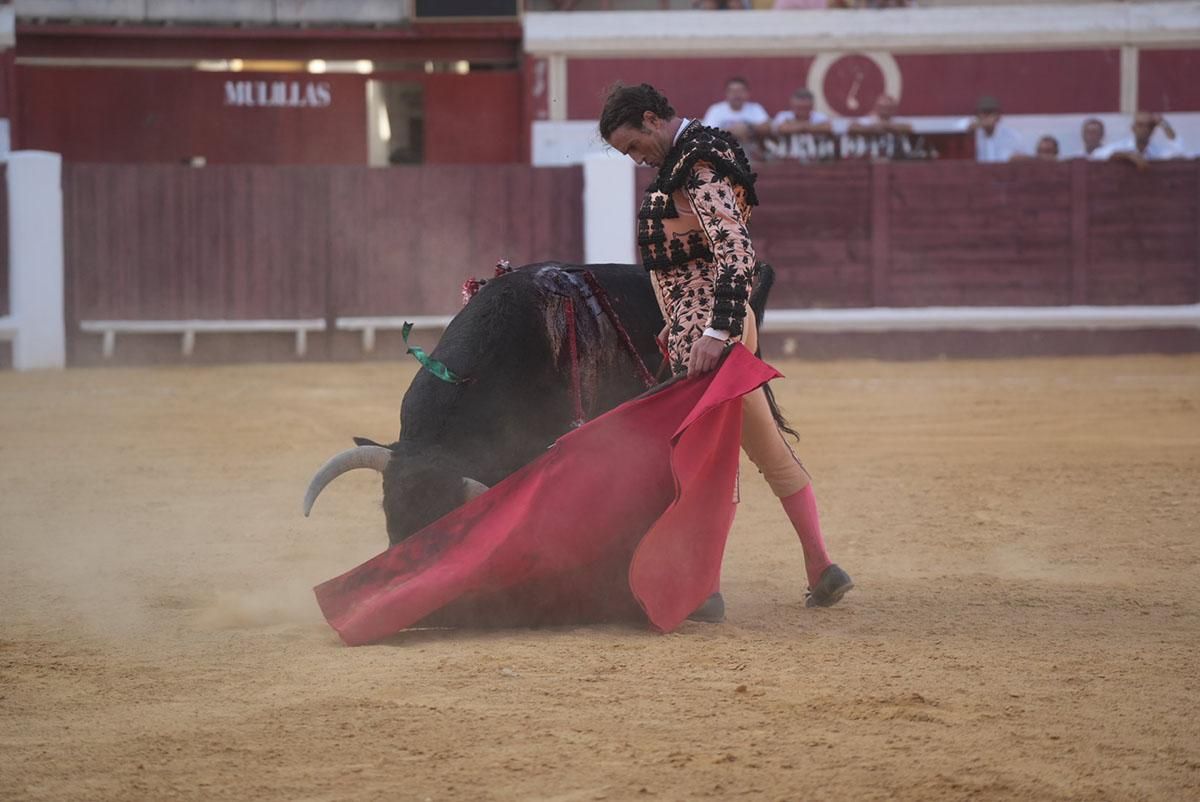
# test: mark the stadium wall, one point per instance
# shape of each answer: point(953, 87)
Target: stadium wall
point(164, 243)
point(254, 243)
point(1049, 65)
point(966, 234)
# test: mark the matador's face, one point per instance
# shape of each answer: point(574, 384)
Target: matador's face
point(646, 145)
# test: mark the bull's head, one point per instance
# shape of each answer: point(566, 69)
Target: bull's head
point(414, 494)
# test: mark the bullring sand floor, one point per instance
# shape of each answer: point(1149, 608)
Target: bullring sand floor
point(1027, 623)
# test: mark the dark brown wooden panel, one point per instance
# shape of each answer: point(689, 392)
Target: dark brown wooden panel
point(1142, 242)
point(3, 239)
point(165, 242)
point(969, 234)
point(408, 237)
point(247, 242)
point(813, 225)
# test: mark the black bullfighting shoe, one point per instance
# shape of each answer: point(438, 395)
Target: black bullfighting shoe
point(830, 589)
point(712, 611)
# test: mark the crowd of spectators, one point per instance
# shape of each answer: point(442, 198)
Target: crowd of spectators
point(996, 142)
point(797, 5)
point(816, 4)
point(800, 132)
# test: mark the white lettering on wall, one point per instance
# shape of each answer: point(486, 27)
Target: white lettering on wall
point(278, 94)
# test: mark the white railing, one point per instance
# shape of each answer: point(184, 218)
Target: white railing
point(188, 329)
point(240, 12)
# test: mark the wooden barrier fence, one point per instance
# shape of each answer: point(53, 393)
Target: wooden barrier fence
point(966, 234)
point(167, 243)
point(152, 242)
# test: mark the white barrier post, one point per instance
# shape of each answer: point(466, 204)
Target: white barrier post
point(608, 209)
point(35, 265)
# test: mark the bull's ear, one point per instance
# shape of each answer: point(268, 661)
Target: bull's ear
point(366, 441)
point(471, 489)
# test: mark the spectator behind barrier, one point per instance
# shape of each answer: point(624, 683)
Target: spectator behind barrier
point(798, 5)
point(720, 5)
point(1092, 134)
point(869, 3)
point(882, 119)
point(737, 114)
point(1142, 147)
point(994, 141)
point(802, 133)
point(1047, 149)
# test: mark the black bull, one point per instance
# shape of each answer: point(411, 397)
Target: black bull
point(518, 398)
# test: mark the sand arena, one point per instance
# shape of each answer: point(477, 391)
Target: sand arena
point(1027, 623)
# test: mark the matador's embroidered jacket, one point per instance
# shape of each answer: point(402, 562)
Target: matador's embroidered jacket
point(693, 237)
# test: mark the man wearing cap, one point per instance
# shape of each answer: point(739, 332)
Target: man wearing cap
point(994, 141)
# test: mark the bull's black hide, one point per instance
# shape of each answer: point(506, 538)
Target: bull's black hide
point(518, 396)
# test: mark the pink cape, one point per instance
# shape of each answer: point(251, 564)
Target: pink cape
point(624, 518)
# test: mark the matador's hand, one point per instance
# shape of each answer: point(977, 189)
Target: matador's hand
point(706, 352)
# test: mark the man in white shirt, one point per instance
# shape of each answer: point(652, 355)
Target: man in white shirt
point(882, 119)
point(1092, 134)
point(737, 114)
point(802, 133)
point(994, 141)
point(1047, 149)
point(1142, 147)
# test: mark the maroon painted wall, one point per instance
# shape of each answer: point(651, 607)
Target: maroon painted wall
point(1061, 82)
point(495, 40)
point(473, 119)
point(238, 242)
point(134, 115)
point(692, 85)
point(1057, 82)
point(1166, 80)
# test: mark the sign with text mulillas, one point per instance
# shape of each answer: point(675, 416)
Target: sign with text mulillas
point(278, 94)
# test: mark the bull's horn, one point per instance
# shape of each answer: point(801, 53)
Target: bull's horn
point(358, 457)
point(471, 489)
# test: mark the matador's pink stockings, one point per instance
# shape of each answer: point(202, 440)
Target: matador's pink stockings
point(801, 508)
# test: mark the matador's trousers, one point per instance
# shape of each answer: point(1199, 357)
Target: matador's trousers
point(678, 297)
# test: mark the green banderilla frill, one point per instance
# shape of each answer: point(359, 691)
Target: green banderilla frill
point(429, 363)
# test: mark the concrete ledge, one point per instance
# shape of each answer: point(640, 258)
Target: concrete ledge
point(365, 12)
point(124, 10)
point(188, 329)
point(948, 29)
point(257, 12)
point(252, 11)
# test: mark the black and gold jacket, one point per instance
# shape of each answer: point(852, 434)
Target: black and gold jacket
point(694, 216)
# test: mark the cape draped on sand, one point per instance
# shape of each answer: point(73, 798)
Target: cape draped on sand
point(624, 518)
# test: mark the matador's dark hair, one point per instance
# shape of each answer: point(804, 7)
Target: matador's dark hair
point(625, 105)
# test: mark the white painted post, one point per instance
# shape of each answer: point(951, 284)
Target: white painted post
point(609, 209)
point(35, 235)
